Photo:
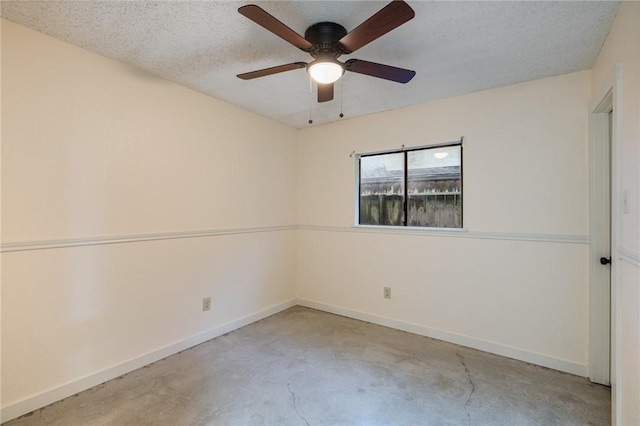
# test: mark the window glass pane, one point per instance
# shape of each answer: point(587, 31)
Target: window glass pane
point(434, 187)
point(382, 189)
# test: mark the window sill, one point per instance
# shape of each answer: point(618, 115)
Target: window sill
point(408, 229)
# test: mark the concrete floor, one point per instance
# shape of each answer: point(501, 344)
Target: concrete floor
point(306, 367)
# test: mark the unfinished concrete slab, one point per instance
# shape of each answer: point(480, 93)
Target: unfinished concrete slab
point(306, 367)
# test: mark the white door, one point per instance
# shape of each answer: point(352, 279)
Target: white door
point(600, 243)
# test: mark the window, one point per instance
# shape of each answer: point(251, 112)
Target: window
point(412, 187)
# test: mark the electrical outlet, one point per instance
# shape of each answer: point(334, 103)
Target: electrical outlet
point(206, 304)
point(387, 293)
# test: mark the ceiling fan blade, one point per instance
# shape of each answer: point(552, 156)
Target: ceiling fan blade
point(325, 92)
point(386, 19)
point(273, 70)
point(262, 18)
point(387, 72)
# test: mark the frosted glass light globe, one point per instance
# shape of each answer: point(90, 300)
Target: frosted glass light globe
point(325, 72)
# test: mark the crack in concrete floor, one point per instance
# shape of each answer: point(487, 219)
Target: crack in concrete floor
point(473, 386)
point(295, 406)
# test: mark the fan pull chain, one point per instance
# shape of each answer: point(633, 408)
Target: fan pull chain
point(310, 98)
point(341, 95)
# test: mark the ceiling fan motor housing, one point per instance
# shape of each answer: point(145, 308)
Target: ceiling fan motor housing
point(325, 36)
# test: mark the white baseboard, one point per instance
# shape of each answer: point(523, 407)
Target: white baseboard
point(45, 398)
point(50, 396)
point(470, 342)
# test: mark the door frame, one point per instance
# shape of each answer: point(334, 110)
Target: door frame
point(604, 323)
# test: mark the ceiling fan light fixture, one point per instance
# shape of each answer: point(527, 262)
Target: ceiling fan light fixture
point(325, 71)
point(326, 41)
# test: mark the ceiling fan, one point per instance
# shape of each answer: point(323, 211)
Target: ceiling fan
point(326, 41)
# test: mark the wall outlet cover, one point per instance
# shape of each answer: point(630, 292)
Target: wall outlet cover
point(206, 304)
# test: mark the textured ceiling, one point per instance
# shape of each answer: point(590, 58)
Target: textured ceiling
point(455, 47)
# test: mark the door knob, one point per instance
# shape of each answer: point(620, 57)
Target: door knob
point(605, 260)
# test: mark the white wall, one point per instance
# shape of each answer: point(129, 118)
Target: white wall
point(516, 282)
point(623, 47)
point(94, 152)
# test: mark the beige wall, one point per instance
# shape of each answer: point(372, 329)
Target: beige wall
point(515, 281)
point(112, 151)
point(535, 134)
point(92, 149)
point(623, 47)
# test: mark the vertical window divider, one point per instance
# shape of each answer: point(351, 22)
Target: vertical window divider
point(405, 203)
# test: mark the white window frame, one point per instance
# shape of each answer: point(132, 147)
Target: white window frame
point(404, 228)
